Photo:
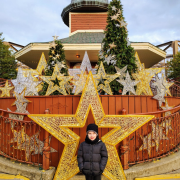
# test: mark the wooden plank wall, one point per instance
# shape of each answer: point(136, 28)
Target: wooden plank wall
point(68, 105)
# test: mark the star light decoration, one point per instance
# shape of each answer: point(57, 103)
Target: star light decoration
point(110, 59)
point(167, 107)
point(80, 83)
point(60, 77)
point(153, 139)
point(121, 72)
point(28, 144)
point(6, 90)
point(21, 105)
point(109, 78)
point(128, 84)
point(112, 45)
point(58, 126)
point(144, 77)
point(85, 65)
point(162, 87)
point(19, 81)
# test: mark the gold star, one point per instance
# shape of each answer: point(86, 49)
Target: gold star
point(143, 85)
point(58, 126)
point(20, 99)
point(56, 75)
point(53, 52)
point(167, 85)
point(6, 90)
point(144, 76)
point(109, 78)
point(114, 17)
point(55, 37)
point(112, 45)
point(53, 44)
point(57, 55)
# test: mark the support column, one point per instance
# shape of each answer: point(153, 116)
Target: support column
point(124, 149)
point(46, 149)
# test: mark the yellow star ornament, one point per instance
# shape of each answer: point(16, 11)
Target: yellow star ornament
point(102, 79)
point(144, 76)
point(58, 126)
point(6, 90)
point(54, 87)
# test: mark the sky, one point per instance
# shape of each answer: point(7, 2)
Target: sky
point(23, 22)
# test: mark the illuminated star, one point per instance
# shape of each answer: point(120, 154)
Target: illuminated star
point(128, 84)
point(53, 52)
point(20, 98)
point(153, 139)
point(114, 17)
point(55, 37)
point(147, 143)
point(166, 107)
point(19, 81)
point(56, 75)
point(80, 83)
point(110, 59)
point(167, 85)
point(109, 78)
point(53, 44)
point(160, 98)
point(6, 90)
point(112, 45)
point(58, 126)
point(114, 8)
point(57, 55)
point(121, 72)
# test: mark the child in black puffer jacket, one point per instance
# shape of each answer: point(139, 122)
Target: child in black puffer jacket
point(92, 154)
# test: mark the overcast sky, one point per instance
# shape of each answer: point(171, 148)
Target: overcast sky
point(22, 22)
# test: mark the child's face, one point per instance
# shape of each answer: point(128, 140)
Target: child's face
point(92, 135)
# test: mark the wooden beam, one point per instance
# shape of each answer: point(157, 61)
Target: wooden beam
point(175, 47)
point(168, 47)
point(164, 44)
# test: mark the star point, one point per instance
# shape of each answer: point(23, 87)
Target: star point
point(6, 90)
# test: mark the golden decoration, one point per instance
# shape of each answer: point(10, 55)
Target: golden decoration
point(6, 90)
point(144, 76)
point(53, 44)
point(56, 75)
point(28, 144)
point(143, 85)
point(112, 45)
point(20, 99)
point(167, 85)
point(58, 126)
point(109, 78)
point(80, 83)
point(160, 98)
point(156, 135)
point(166, 107)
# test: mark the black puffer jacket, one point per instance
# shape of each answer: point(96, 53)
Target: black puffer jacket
point(92, 158)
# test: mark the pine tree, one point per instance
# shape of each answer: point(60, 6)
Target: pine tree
point(173, 70)
point(116, 49)
point(8, 64)
point(56, 56)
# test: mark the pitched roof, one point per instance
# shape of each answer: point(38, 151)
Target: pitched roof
point(84, 38)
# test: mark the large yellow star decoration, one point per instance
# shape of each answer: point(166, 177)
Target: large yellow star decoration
point(144, 76)
point(60, 77)
point(6, 90)
point(108, 78)
point(58, 126)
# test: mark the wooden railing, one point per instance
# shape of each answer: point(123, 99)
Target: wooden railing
point(129, 150)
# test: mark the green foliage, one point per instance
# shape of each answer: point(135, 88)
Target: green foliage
point(125, 55)
point(58, 50)
point(8, 64)
point(173, 70)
